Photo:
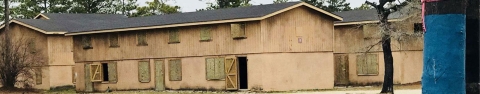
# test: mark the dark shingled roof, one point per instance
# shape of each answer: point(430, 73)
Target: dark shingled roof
point(362, 15)
point(67, 16)
point(85, 24)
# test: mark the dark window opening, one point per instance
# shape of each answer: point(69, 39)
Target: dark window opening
point(243, 73)
point(105, 71)
point(418, 28)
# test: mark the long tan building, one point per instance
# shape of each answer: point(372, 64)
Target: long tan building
point(52, 45)
point(358, 53)
point(276, 47)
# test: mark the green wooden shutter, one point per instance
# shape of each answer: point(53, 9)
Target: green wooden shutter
point(113, 38)
point(173, 36)
point(237, 30)
point(144, 71)
point(205, 33)
point(142, 38)
point(361, 65)
point(372, 61)
point(112, 72)
point(175, 70)
point(210, 68)
point(220, 68)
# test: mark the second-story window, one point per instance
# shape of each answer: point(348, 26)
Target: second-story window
point(113, 39)
point(205, 33)
point(174, 36)
point(142, 38)
point(237, 30)
point(87, 42)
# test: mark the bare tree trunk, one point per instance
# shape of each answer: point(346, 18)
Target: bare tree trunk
point(7, 80)
point(387, 52)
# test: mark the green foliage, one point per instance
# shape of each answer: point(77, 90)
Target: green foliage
point(156, 7)
point(92, 6)
point(30, 8)
point(363, 7)
point(316, 3)
point(220, 4)
point(330, 5)
point(280, 1)
point(125, 7)
point(337, 6)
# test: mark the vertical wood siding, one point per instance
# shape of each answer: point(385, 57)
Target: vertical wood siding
point(276, 34)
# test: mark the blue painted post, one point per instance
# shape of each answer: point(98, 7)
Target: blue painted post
point(444, 49)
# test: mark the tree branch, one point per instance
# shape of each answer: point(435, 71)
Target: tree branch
point(399, 6)
point(373, 4)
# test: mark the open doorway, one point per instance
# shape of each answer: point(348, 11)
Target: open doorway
point(243, 73)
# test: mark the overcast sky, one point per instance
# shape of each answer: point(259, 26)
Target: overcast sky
point(192, 5)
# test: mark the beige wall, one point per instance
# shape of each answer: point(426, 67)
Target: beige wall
point(270, 72)
point(407, 68)
point(56, 51)
point(270, 45)
point(281, 33)
point(406, 45)
point(290, 71)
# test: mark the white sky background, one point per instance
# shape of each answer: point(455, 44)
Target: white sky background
point(192, 5)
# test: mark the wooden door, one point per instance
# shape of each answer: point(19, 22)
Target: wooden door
point(341, 69)
point(159, 75)
point(231, 69)
point(88, 82)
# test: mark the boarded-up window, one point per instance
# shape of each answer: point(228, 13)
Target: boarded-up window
point(31, 46)
point(96, 73)
point(175, 69)
point(237, 30)
point(112, 72)
point(142, 38)
point(38, 76)
point(144, 71)
point(87, 42)
point(370, 31)
point(215, 68)
point(205, 33)
point(174, 36)
point(113, 39)
point(367, 64)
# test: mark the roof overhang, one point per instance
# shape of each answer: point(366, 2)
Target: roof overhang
point(41, 15)
point(366, 22)
point(372, 21)
point(337, 18)
point(34, 28)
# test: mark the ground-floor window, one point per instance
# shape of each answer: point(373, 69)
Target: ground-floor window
point(367, 64)
point(144, 71)
point(175, 69)
point(215, 68)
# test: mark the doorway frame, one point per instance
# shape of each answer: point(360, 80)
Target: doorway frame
point(239, 72)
